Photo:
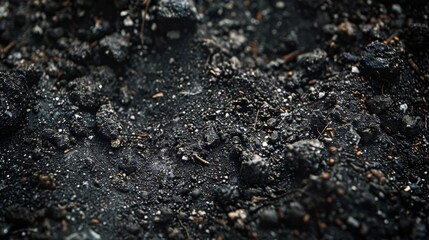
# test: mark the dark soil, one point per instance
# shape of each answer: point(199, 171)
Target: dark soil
point(235, 119)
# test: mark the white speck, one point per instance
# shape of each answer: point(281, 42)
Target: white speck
point(407, 188)
point(321, 95)
point(403, 107)
point(355, 70)
point(280, 4)
point(264, 144)
point(128, 22)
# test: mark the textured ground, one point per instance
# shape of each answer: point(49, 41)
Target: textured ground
point(235, 119)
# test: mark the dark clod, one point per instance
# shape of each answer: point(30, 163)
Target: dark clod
point(313, 62)
point(381, 62)
point(304, 156)
point(175, 15)
point(116, 47)
point(108, 124)
point(254, 170)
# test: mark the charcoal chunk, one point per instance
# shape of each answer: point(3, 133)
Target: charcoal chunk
point(89, 91)
point(381, 62)
point(175, 15)
point(108, 124)
point(303, 157)
point(313, 62)
point(116, 47)
point(254, 170)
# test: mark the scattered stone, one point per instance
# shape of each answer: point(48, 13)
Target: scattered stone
point(381, 62)
point(196, 193)
point(352, 222)
point(89, 91)
point(80, 126)
point(211, 137)
point(254, 170)
point(313, 62)
point(268, 217)
point(62, 141)
point(237, 214)
point(175, 15)
point(410, 125)
point(304, 157)
point(80, 52)
point(108, 124)
point(13, 101)
point(347, 137)
point(367, 126)
point(116, 47)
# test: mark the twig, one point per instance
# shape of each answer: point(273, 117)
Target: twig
point(186, 229)
point(147, 2)
point(201, 159)
point(324, 129)
point(256, 119)
point(6, 50)
point(391, 37)
point(291, 56)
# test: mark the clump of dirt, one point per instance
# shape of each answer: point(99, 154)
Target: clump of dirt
point(233, 119)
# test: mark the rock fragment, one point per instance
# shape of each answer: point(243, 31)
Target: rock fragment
point(108, 124)
point(313, 62)
point(80, 51)
point(268, 218)
point(303, 157)
point(116, 47)
point(381, 62)
point(211, 137)
point(89, 91)
point(254, 170)
point(175, 15)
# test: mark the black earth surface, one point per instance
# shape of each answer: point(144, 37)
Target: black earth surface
point(214, 119)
